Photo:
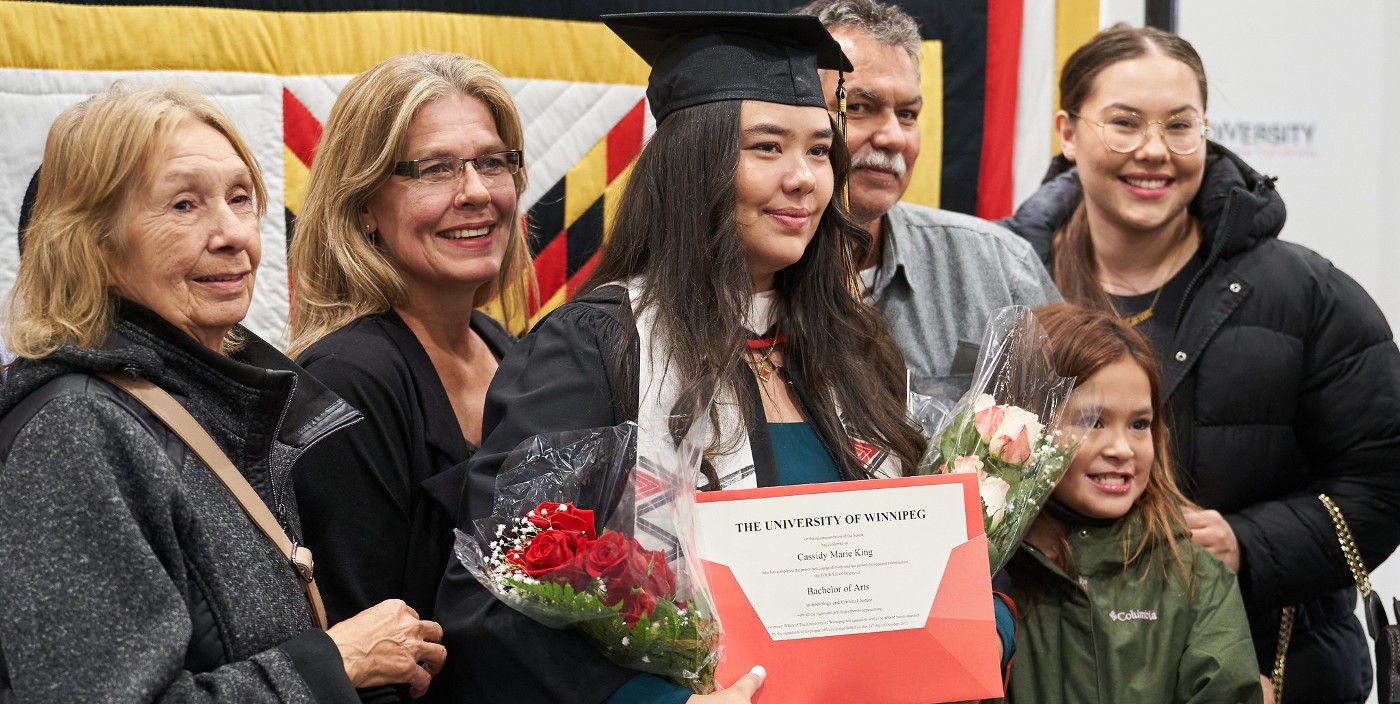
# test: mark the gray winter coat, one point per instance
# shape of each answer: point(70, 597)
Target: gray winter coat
point(130, 572)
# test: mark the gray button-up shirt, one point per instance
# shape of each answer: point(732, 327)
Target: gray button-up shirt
point(941, 275)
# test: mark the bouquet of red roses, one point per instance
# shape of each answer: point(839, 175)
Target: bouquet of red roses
point(631, 587)
point(1006, 430)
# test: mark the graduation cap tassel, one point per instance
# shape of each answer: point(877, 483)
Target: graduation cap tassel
point(847, 256)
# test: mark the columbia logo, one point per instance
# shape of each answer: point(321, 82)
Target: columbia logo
point(1133, 615)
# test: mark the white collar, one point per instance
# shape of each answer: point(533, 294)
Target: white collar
point(761, 311)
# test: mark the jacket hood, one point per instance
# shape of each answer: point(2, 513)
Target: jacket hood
point(1260, 208)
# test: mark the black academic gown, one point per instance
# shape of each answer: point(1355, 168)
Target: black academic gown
point(366, 495)
point(562, 376)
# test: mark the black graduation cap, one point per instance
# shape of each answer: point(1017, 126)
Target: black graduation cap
point(703, 57)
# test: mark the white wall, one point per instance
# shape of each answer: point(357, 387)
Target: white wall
point(1301, 90)
point(1112, 12)
point(1308, 92)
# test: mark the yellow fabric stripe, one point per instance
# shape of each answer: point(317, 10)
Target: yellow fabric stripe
point(612, 196)
point(1076, 22)
point(498, 311)
point(926, 187)
point(296, 174)
point(131, 38)
point(585, 182)
point(554, 302)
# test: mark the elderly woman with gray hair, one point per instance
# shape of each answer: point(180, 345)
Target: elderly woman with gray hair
point(148, 530)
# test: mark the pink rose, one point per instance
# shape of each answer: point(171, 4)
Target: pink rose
point(1015, 450)
point(988, 420)
point(968, 464)
point(1015, 436)
point(993, 491)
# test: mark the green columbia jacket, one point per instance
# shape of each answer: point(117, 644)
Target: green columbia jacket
point(1107, 635)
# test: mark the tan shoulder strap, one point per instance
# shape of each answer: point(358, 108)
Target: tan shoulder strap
point(179, 420)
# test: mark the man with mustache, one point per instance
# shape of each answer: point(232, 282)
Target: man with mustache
point(937, 275)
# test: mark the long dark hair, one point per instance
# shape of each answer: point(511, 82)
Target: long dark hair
point(676, 229)
point(1075, 270)
point(1083, 341)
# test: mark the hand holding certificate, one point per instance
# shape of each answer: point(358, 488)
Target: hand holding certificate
point(874, 591)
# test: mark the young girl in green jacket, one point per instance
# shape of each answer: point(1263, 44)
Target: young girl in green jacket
point(1117, 604)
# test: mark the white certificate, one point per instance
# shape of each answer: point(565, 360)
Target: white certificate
point(873, 591)
point(839, 562)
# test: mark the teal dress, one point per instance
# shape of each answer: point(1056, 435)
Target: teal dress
point(800, 456)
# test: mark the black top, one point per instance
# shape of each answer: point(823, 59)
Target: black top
point(703, 57)
point(567, 374)
point(1160, 327)
point(367, 494)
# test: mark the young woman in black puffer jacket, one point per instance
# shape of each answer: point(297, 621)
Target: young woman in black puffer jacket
point(1282, 376)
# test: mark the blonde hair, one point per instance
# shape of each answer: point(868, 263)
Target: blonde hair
point(338, 274)
point(97, 153)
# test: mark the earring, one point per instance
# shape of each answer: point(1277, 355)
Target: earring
point(373, 235)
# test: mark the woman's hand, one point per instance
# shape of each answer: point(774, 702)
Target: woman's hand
point(388, 644)
point(740, 693)
point(1211, 531)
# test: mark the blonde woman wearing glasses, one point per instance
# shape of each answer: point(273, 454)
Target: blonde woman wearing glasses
point(409, 225)
point(1281, 377)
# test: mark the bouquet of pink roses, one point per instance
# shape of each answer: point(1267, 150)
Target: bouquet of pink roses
point(1005, 431)
point(631, 587)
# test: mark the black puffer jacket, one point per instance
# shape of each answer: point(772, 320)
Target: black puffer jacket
point(1283, 382)
point(129, 572)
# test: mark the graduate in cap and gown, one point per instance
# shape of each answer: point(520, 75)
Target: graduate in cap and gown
point(730, 259)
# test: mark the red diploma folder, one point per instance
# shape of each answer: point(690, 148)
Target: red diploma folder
point(953, 657)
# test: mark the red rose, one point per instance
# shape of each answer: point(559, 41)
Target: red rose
point(574, 572)
point(549, 550)
point(661, 582)
point(564, 517)
point(637, 604)
point(515, 557)
point(607, 554)
point(629, 575)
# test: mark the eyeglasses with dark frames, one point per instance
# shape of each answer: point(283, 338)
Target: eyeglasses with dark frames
point(441, 169)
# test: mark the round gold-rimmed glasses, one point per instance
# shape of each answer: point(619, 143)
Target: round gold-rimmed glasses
point(1126, 132)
